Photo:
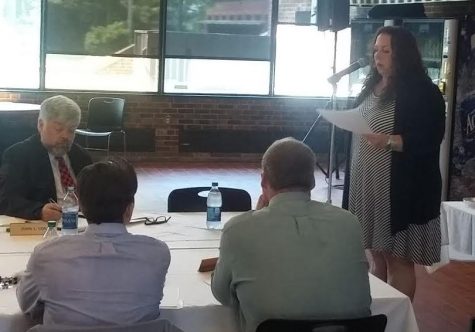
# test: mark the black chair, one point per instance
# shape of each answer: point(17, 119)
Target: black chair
point(375, 323)
point(105, 118)
point(188, 200)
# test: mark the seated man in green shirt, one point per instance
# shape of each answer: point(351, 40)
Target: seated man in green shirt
point(292, 258)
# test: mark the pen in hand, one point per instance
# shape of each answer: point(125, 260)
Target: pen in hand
point(80, 215)
point(52, 201)
point(51, 211)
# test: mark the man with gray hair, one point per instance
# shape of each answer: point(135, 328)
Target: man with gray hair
point(36, 172)
point(292, 258)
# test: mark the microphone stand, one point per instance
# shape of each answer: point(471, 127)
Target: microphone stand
point(333, 103)
point(332, 134)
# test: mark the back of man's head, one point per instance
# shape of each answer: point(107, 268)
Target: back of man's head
point(289, 164)
point(62, 109)
point(105, 190)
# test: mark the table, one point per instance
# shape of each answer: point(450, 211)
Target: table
point(195, 308)
point(458, 223)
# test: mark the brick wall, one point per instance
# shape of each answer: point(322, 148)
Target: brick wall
point(167, 115)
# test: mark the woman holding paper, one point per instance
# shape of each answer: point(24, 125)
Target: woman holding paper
point(395, 182)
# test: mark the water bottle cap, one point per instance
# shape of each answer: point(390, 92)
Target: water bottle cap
point(51, 223)
point(214, 184)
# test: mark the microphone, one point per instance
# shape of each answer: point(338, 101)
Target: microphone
point(351, 68)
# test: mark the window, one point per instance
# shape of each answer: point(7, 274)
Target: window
point(217, 76)
point(230, 55)
point(20, 22)
point(203, 47)
point(304, 60)
point(102, 45)
point(304, 55)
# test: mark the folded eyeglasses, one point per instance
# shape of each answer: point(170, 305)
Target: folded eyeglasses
point(152, 221)
point(8, 282)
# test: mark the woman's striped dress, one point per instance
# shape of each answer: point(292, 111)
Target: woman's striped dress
point(370, 187)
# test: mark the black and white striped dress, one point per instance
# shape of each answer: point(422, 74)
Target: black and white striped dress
point(370, 187)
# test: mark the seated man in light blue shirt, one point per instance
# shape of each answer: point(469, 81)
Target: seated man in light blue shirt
point(293, 258)
point(105, 276)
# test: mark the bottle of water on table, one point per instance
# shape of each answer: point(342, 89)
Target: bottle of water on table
point(214, 203)
point(70, 210)
point(51, 231)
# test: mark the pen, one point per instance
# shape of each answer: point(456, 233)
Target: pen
point(56, 203)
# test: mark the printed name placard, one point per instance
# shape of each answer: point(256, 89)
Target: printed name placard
point(28, 228)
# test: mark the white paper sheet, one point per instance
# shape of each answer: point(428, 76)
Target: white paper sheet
point(171, 298)
point(350, 120)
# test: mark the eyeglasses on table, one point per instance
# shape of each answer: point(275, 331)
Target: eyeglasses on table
point(152, 220)
point(8, 282)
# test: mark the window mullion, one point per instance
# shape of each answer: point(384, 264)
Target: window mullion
point(274, 21)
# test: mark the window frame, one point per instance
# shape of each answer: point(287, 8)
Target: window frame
point(161, 57)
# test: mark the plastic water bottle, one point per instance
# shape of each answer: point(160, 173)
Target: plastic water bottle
point(214, 203)
point(51, 232)
point(70, 210)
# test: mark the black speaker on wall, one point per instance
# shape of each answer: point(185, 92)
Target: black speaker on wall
point(333, 15)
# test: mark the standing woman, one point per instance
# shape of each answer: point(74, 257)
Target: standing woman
point(395, 182)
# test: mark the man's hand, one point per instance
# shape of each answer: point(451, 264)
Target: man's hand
point(51, 211)
point(262, 202)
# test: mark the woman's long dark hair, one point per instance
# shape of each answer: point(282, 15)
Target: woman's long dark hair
point(406, 63)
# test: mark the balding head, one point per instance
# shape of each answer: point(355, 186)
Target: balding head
point(289, 164)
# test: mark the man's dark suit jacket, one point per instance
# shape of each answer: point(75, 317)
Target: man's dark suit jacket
point(27, 180)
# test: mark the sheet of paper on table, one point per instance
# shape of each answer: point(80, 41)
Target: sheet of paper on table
point(350, 120)
point(171, 298)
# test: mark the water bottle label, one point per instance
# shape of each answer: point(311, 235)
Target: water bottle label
point(214, 214)
point(70, 220)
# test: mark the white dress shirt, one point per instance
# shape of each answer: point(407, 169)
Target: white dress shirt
point(103, 276)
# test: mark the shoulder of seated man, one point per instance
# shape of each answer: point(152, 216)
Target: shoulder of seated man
point(242, 219)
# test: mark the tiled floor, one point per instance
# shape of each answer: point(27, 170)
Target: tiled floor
point(156, 182)
point(444, 301)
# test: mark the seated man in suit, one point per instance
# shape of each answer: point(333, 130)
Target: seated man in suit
point(106, 275)
point(36, 172)
point(292, 258)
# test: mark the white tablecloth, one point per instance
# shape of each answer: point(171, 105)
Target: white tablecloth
point(458, 221)
point(189, 303)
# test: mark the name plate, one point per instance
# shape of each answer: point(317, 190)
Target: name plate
point(27, 228)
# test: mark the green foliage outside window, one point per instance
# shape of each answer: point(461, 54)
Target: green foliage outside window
point(107, 39)
point(97, 27)
point(186, 15)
